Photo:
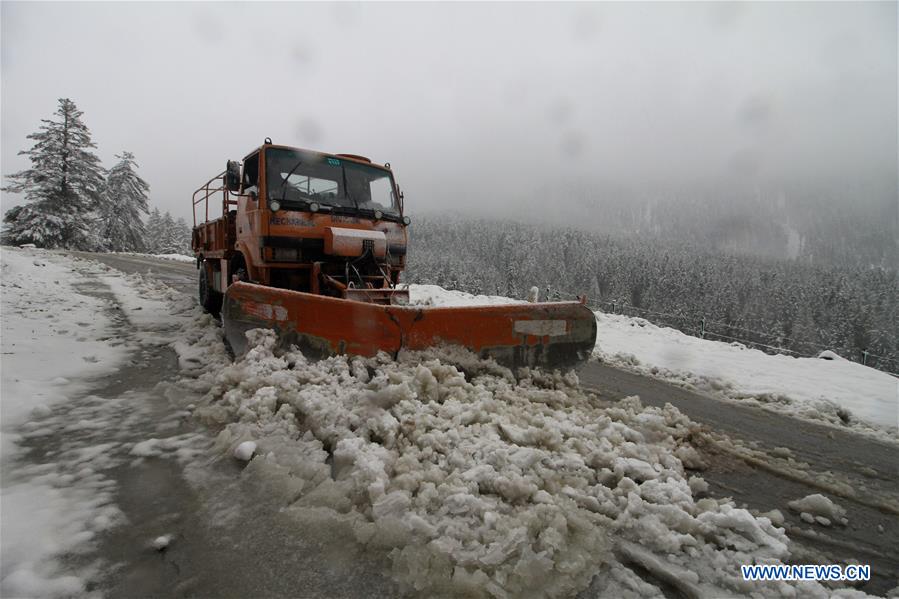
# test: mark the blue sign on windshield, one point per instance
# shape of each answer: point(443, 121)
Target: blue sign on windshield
point(333, 162)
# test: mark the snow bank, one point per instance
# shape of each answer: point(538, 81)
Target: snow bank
point(172, 257)
point(175, 257)
point(477, 483)
point(833, 391)
point(433, 295)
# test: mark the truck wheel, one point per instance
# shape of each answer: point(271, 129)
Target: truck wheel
point(210, 299)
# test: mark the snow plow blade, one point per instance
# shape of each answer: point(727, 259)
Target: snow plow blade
point(555, 335)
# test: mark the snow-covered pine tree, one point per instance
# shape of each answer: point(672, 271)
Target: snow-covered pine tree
point(154, 232)
point(169, 238)
point(183, 237)
point(124, 200)
point(62, 187)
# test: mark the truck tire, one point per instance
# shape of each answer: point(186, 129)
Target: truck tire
point(210, 299)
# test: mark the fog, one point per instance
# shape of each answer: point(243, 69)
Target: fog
point(478, 107)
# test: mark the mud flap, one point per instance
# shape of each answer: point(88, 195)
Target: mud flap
point(557, 334)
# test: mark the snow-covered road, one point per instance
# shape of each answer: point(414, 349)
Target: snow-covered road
point(470, 498)
point(100, 467)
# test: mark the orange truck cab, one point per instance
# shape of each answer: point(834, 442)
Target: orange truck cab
point(289, 218)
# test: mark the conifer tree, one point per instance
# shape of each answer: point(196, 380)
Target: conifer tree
point(154, 232)
point(124, 201)
point(174, 236)
point(184, 234)
point(62, 188)
point(169, 236)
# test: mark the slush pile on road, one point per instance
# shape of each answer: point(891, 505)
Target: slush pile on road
point(476, 482)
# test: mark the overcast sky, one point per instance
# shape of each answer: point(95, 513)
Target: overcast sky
point(473, 104)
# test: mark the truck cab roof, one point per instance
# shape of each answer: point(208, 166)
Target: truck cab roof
point(351, 157)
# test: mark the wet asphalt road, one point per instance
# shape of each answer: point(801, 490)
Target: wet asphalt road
point(745, 448)
point(856, 472)
point(178, 275)
point(826, 448)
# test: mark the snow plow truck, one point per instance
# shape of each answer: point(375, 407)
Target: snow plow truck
point(313, 244)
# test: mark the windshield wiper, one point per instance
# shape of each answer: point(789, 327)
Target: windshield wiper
point(286, 177)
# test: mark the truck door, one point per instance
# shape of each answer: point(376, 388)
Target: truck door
point(248, 212)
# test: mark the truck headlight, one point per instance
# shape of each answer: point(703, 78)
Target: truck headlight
point(313, 207)
point(407, 220)
point(275, 205)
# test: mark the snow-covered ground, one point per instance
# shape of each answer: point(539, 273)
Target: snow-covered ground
point(834, 391)
point(54, 337)
point(51, 334)
point(61, 332)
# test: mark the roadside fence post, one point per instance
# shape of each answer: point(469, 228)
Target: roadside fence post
point(702, 328)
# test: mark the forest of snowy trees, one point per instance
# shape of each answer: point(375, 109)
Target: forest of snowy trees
point(760, 301)
point(72, 202)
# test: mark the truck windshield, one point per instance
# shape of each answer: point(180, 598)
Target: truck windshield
point(296, 178)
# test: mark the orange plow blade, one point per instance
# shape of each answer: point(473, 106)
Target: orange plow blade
point(557, 334)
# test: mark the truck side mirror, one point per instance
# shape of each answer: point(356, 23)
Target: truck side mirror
point(232, 176)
